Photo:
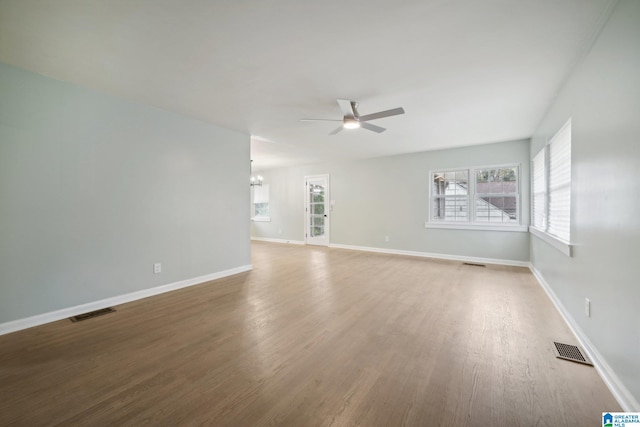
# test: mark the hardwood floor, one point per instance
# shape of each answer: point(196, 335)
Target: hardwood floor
point(312, 336)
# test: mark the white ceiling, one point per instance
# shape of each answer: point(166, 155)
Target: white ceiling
point(466, 71)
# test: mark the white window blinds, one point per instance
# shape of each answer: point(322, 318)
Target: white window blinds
point(539, 191)
point(261, 193)
point(560, 184)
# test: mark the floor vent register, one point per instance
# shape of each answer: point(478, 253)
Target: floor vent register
point(571, 352)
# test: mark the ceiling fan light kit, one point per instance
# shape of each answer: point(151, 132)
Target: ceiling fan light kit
point(351, 123)
point(352, 119)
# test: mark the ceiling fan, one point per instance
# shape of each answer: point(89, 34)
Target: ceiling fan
point(353, 120)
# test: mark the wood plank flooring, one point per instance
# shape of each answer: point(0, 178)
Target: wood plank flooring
point(311, 337)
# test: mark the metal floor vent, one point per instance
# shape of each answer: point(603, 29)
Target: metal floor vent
point(473, 264)
point(91, 314)
point(570, 352)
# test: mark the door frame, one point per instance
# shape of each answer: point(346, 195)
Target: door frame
point(327, 209)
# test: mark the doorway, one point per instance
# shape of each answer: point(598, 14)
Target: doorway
point(316, 212)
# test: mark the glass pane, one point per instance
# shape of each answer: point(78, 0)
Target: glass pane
point(317, 225)
point(261, 209)
point(501, 180)
point(451, 208)
point(460, 185)
point(318, 209)
point(316, 193)
point(454, 183)
point(438, 184)
point(500, 209)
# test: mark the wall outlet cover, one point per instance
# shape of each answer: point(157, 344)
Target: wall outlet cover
point(587, 307)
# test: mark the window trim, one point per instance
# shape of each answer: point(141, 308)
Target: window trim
point(564, 246)
point(561, 245)
point(471, 224)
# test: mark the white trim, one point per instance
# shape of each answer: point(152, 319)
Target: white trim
point(267, 239)
point(261, 219)
point(498, 166)
point(327, 210)
point(52, 316)
point(561, 245)
point(467, 226)
point(617, 388)
point(433, 255)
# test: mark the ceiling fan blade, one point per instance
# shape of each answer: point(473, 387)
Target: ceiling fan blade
point(374, 128)
point(336, 131)
point(346, 107)
point(320, 120)
point(381, 114)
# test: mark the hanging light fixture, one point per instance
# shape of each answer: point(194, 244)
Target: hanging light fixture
point(254, 180)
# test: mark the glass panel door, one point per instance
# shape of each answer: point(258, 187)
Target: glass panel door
point(316, 210)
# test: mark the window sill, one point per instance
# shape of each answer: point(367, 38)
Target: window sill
point(480, 227)
point(561, 245)
point(261, 219)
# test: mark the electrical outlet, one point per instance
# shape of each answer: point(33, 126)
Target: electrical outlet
point(157, 268)
point(587, 307)
point(386, 238)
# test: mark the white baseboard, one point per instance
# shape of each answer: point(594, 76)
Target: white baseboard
point(52, 316)
point(617, 388)
point(266, 239)
point(409, 253)
point(434, 255)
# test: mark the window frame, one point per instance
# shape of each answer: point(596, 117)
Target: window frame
point(254, 217)
point(543, 232)
point(472, 223)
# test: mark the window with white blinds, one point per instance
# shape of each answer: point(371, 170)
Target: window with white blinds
point(260, 203)
point(551, 186)
point(560, 183)
point(539, 191)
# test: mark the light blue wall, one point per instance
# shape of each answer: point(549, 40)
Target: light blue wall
point(603, 98)
point(95, 189)
point(388, 196)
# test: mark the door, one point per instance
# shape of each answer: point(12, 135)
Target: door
point(316, 212)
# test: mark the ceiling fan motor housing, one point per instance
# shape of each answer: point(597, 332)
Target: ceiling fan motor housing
point(351, 122)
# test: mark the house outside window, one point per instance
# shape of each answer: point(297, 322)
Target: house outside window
point(485, 197)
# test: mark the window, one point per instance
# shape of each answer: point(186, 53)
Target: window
point(479, 197)
point(551, 189)
point(260, 204)
point(496, 197)
point(451, 196)
point(539, 192)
